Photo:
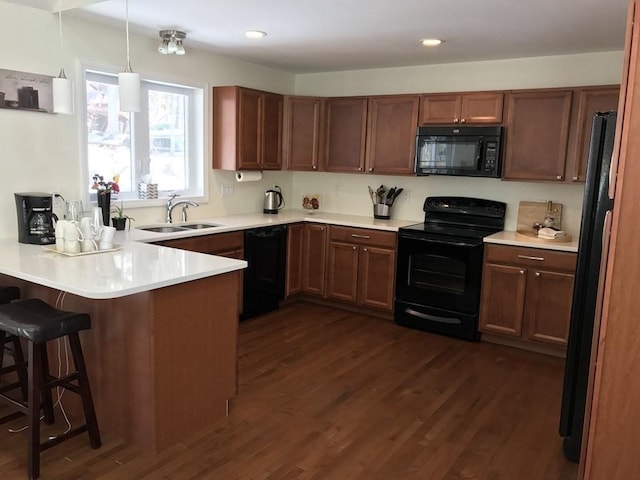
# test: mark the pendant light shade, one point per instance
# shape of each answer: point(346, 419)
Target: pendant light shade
point(62, 93)
point(129, 86)
point(62, 86)
point(129, 82)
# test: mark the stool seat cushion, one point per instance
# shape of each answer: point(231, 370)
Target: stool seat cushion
point(39, 322)
point(7, 294)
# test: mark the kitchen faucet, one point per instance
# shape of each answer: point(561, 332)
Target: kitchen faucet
point(185, 204)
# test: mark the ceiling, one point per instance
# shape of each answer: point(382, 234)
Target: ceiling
point(331, 35)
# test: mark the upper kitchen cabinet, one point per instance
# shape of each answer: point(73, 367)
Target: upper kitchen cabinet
point(537, 134)
point(371, 134)
point(345, 134)
point(473, 108)
point(587, 102)
point(247, 129)
point(302, 130)
point(391, 134)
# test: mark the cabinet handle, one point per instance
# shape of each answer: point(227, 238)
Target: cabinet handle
point(463, 120)
point(359, 169)
point(527, 257)
point(559, 177)
point(537, 274)
point(371, 169)
point(355, 235)
point(366, 249)
point(355, 248)
point(521, 272)
point(314, 167)
point(455, 120)
point(575, 179)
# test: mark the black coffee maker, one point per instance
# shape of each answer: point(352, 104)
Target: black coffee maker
point(36, 220)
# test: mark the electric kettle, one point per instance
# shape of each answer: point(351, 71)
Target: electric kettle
point(273, 200)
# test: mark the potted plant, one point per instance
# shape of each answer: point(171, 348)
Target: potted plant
point(119, 220)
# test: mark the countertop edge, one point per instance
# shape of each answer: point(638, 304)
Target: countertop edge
point(515, 239)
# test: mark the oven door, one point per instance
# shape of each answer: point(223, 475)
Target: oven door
point(438, 284)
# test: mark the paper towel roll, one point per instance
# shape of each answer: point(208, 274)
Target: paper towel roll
point(252, 176)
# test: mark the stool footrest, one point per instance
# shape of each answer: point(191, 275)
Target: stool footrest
point(53, 382)
point(12, 368)
point(10, 386)
point(62, 437)
point(16, 403)
point(10, 417)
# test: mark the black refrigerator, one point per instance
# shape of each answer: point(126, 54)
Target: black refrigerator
point(596, 204)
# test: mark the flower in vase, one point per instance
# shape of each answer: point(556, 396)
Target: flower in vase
point(102, 187)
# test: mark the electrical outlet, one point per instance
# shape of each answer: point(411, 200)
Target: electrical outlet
point(227, 190)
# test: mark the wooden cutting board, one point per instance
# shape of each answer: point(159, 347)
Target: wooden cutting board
point(532, 212)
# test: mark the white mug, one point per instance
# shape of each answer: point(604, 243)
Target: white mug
point(72, 237)
point(61, 225)
point(106, 236)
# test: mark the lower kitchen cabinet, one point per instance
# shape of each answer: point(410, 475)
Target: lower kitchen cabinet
point(527, 293)
point(361, 267)
point(306, 258)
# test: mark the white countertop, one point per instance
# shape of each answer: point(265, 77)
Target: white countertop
point(135, 268)
point(255, 220)
point(138, 267)
point(519, 240)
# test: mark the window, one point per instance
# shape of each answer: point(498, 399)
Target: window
point(162, 144)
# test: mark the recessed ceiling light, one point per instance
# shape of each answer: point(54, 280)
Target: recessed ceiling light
point(255, 34)
point(431, 42)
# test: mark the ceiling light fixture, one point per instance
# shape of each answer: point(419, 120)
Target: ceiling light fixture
point(255, 34)
point(431, 42)
point(62, 86)
point(172, 42)
point(129, 82)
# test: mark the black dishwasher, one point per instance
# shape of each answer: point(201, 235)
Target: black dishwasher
point(265, 250)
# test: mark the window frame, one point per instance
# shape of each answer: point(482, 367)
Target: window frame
point(198, 126)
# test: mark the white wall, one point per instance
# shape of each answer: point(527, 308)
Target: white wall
point(541, 72)
point(42, 152)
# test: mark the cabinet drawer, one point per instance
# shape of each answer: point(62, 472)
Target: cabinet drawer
point(530, 257)
point(212, 244)
point(363, 236)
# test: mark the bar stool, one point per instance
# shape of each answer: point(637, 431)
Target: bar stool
point(38, 322)
point(8, 294)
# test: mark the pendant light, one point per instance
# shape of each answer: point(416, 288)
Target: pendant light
point(62, 86)
point(129, 82)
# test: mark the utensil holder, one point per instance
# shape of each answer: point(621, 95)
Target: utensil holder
point(381, 211)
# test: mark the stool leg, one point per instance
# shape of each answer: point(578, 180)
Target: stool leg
point(18, 357)
point(33, 414)
point(85, 391)
point(47, 400)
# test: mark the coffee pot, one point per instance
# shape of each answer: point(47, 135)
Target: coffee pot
point(36, 220)
point(273, 200)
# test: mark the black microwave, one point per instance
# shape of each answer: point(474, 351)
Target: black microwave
point(461, 151)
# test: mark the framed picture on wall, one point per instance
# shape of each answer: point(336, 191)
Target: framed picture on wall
point(26, 91)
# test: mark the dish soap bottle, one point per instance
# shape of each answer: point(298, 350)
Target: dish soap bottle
point(549, 219)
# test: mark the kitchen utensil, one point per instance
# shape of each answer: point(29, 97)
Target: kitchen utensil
point(389, 198)
point(380, 193)
point(371, 195)
point(396, 194)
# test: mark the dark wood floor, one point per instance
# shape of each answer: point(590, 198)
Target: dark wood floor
point(328, 394)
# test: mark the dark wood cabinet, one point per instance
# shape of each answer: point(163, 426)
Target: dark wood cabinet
point(302, 133)
point(471, 108)
point(345, 134)
point(527, 293)
point(247, 129)
point(587, 102)
point(391, 134)
point(537, 134)
point(361, 267)
point(294, 259)
point(314, 249)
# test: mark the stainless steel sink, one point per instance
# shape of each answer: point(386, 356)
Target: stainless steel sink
point(198, 226)
point(167, 229)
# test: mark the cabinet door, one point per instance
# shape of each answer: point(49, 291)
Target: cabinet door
point(249, 125)
point(376, 277)
point(438, 109)
point(346, 124)
point(271, 132)
point(294, 259)
point(502, 300)
point(302, 133)
point(342, 272)
point(391, 134)
point(537, 135)
point(314, 258)
point(548, 306)
point(482, 107)
point(590, 101)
